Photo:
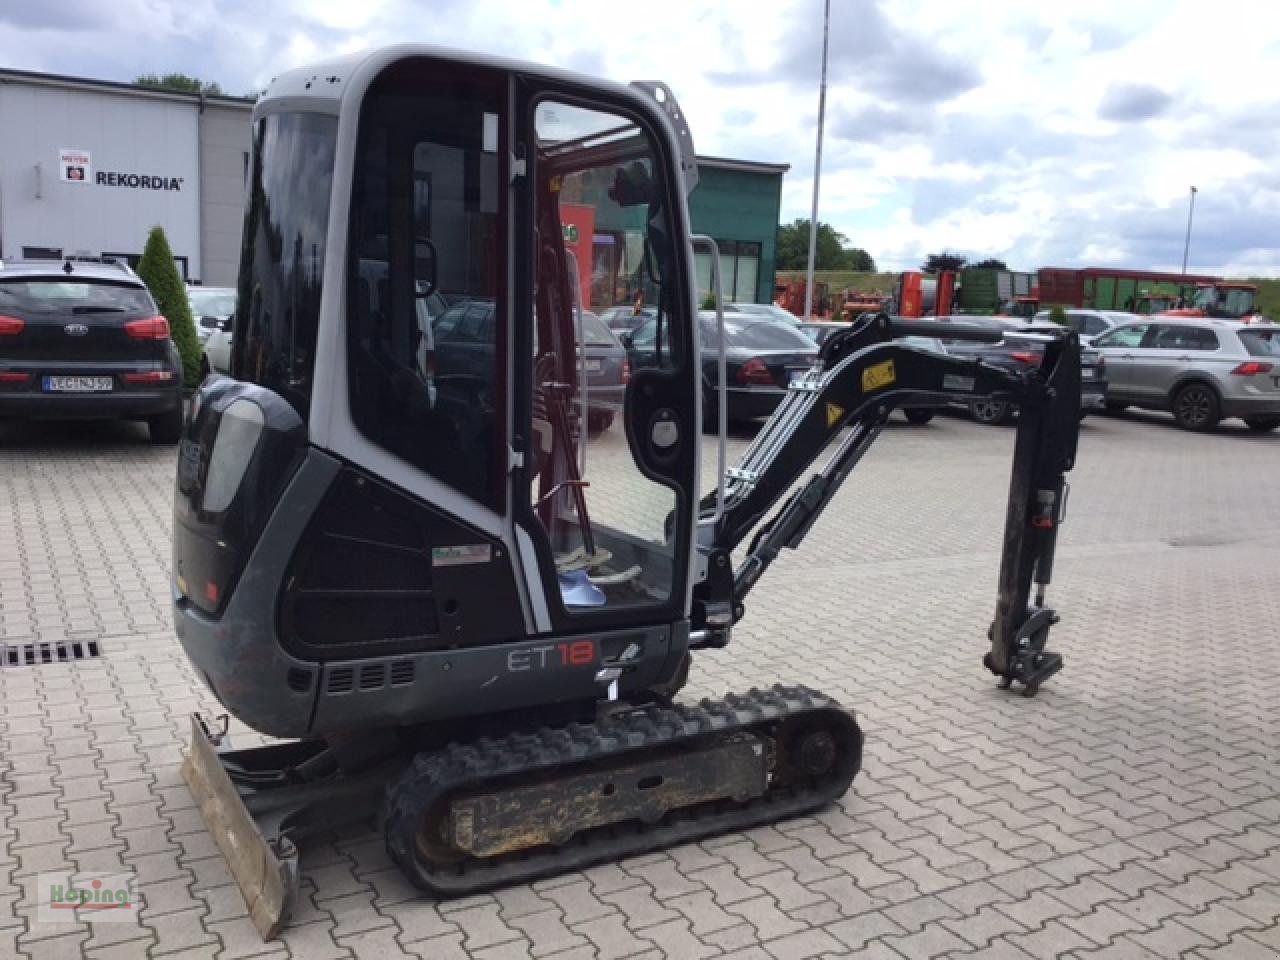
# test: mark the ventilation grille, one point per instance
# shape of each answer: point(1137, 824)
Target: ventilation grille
point(372, 676)
point(341, 680)
point(42, 652)
point(299, 679)
point(368, 676)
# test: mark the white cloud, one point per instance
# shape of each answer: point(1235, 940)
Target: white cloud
point(981, 132)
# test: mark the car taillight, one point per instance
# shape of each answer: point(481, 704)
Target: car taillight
point(1023, 357)
point(626, 371)
point(755, 371)
point(149, 328)
point(11, 326)
point(11, 377)
point(1251, 367)
point(151, 376)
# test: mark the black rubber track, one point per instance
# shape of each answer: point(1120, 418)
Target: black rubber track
point(432, 778)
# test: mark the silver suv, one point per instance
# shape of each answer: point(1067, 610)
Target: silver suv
point(1090, 323)
point(1200, 370)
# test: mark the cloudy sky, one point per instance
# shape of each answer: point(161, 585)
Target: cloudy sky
point(1044, 134)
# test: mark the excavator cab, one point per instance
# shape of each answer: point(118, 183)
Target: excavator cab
point(399, 546)
point(445, 506)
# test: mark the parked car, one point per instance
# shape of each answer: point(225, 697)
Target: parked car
point(1022, 348)
point(819, 330)
point(1090, 323)
point(214, 310)
point(625, 318)
point(463, 343)
point(83, 341)
point(771, 310)
point(763, 358)
point(1199, 369)
point(607, 368)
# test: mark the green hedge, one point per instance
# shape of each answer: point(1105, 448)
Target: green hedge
point(160, 273)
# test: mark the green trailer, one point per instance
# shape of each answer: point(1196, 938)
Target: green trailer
point(1134, 294)
point(985, 290)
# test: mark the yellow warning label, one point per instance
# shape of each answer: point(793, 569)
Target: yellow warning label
point(835, 413)
point(877, 376)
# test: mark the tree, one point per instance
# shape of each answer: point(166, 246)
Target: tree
point(180, 82)
point(160, 273)
point(991, 263)
point(832, 254)
point(855, 258)
point(937, 262)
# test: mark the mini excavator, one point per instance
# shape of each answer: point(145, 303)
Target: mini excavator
point(398, 551)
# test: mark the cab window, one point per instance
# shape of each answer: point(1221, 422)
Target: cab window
point(425, 226)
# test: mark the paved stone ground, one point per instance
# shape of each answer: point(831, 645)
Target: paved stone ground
point(1129, 811)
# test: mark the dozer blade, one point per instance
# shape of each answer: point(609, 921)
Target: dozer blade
point(266, 872)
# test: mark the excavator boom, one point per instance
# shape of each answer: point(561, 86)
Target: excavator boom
point(865, 373)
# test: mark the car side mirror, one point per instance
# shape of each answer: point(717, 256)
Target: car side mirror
point(626, 339)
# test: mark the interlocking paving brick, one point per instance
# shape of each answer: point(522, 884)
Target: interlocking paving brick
point(547, 933)
point(802, 945)
point(980, 928)
point(1157, 784)
point(1218, 921)
point(764, 914)
point(611, 936)
point(447, 946)
point(856, 932)
point(640, 906)
point(68, 946)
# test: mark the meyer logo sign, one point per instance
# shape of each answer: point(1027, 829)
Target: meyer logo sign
point(138, 181)
point(73, 165)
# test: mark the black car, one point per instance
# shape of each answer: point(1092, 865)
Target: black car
point(463, 343)
point(763, 358)
point(918, 413)
point(85, 341)
point(608, 370)
point(1022, 348)
point(625, 318)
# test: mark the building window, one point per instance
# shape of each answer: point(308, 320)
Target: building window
point(739, 271)
point(41, 253)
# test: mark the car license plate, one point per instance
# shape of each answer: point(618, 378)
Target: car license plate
point(1086, 373)
point(592, 366)
point(77, 384)
point(795, 376)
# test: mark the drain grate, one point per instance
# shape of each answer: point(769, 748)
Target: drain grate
point(59, 651)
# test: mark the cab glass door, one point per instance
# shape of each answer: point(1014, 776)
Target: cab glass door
point(610, 461)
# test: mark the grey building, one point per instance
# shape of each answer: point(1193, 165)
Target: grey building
point(87, 167)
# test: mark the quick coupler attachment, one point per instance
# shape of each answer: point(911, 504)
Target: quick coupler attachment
point(1030, 664)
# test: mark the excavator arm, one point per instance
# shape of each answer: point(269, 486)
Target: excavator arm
point(865, 372)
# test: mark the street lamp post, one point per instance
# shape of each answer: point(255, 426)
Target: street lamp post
point(1186, 247)
point(817, 165)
